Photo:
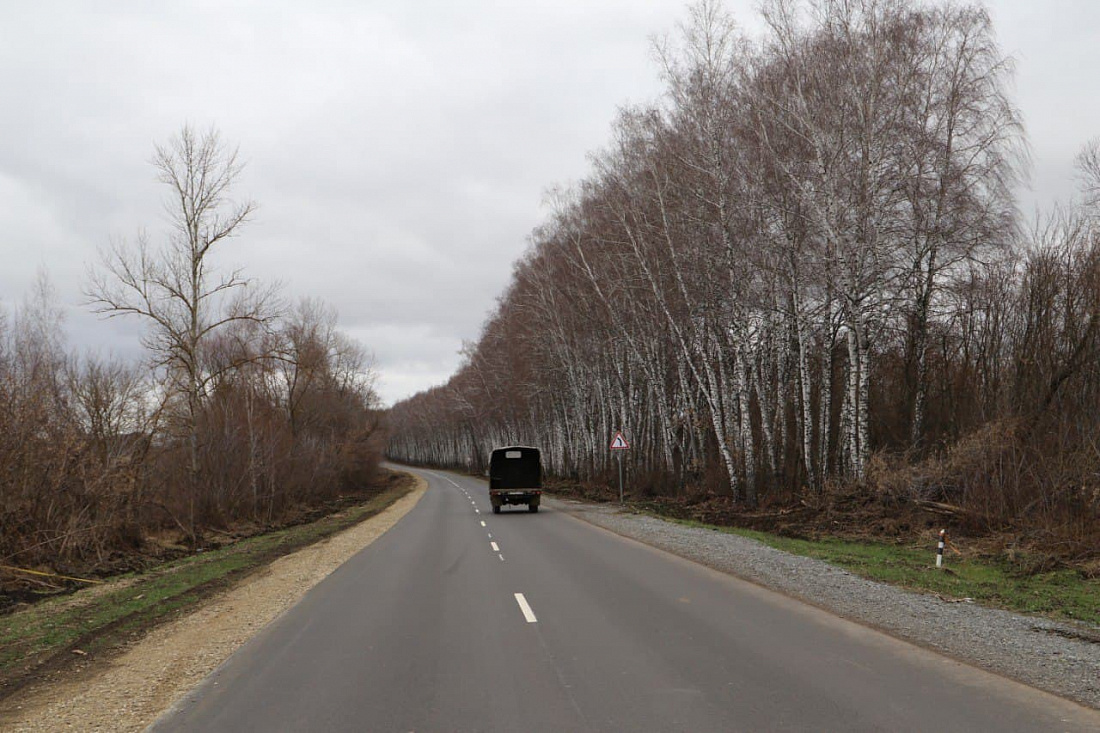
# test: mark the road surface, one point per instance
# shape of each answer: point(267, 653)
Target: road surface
point(461, 620)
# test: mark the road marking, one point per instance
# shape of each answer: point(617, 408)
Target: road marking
point(477, 511)
point(482, 522)
point(495, 548)
point(433, 473)
point(501, 557)
point(490, 535)
point(526, 608)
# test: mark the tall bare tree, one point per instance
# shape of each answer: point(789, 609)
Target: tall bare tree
point(173, 288)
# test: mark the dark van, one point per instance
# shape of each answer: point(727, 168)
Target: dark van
point(515, 477)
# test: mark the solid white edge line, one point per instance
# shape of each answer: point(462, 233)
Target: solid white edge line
point(526, 608)
point(495, 548)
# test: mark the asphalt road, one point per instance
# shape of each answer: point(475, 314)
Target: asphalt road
point(461, 620)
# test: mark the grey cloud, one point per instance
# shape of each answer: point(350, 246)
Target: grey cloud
point(399, 151)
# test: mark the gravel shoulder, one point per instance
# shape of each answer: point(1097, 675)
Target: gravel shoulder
point(130, 691)
point(1058, 657)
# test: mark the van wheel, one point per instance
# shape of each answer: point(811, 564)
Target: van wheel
point(532, 507)
point(496, 510)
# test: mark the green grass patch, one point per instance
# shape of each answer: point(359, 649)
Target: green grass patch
point(101, 618)
point(1064, 593)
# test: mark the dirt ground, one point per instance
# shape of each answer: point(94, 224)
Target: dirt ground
point(128, 692)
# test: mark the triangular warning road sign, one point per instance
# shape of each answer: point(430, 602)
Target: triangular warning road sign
point(619, 443)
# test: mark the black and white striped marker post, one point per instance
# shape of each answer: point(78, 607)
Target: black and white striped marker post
point(939, 548)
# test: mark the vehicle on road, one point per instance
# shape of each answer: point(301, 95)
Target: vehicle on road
point(515, 477)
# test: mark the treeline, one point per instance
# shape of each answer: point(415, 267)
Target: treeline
point(803, 268)
point(246, 412)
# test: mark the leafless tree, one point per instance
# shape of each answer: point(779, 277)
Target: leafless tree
point(173, 288)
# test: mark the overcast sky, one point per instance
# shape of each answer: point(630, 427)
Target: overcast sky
point(399, 151)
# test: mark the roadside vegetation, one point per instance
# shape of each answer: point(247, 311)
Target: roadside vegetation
point(1011, 581)
point(799, 282)
point(56, 633)
point(249, 412)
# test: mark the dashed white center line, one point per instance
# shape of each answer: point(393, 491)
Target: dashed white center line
point(482, 522)
point(526, 608)
point(495, 548)
point(501, 557)
point(477, 511)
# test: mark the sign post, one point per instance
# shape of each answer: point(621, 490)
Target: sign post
point(620, 478)
point(618, 445)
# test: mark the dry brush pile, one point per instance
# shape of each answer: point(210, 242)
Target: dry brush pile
point(803, 264)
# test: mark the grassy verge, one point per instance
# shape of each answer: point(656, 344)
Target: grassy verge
point(1065, 594)
point(51, 634)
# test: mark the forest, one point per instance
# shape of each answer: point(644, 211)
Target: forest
point(247, 411)
point(801, 272)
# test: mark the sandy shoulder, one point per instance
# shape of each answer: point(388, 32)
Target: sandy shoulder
point(131, 691)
